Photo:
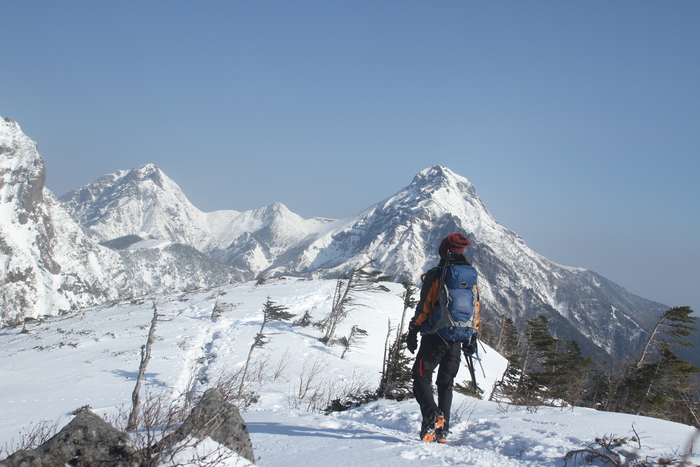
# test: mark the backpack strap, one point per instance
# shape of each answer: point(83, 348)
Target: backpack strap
point(429, 303)
point(477, 308)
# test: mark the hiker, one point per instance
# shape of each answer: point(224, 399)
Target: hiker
point(440, 346)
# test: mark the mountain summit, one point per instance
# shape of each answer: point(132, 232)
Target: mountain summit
point(142, 201)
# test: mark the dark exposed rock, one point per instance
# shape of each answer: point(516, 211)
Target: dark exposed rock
point(217, 419)
point(86, 441)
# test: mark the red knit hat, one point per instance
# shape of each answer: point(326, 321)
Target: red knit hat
point(454, 242)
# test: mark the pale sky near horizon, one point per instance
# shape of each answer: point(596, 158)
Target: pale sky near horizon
point(577, 122)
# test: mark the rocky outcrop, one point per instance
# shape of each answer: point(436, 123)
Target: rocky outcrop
point(47, 263)
point(217, 419)
point(88, 440)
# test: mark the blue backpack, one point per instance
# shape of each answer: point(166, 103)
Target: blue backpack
point(455, 316)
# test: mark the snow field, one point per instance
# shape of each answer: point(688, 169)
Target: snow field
point(91, 357)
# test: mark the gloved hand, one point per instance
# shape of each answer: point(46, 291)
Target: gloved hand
point(470, 347)
point(412, 338)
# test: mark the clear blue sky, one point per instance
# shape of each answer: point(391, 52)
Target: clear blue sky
point(578, 122)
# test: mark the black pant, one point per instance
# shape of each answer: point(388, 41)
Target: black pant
point(434, 352)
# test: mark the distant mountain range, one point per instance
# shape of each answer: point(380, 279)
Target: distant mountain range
point(134, 232)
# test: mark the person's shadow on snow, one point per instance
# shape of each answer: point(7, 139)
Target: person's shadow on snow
point(340, 433)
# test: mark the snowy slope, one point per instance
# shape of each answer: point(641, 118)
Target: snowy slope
point(92, 356)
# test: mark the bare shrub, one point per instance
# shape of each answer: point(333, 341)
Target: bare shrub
point(314, 393)
point(308, 389)
point(193, 452)
point(466, 407)
point(235, 390)
point(347, 393)
point(31, 437)
point(160, 415)
point(188, 396)
point(281, 366)
point(260, 368)
point(620, 451)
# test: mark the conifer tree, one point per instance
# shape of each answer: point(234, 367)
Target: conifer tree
point(356, 334)
point(395, 382)
point(508, 346)
point(569, 374)
point(508, 341)
point(603, 393)
point(271, 312)
point(673, 327)
point(540, 350)
point(659, 384)
point(552, 370)
point(658, 387)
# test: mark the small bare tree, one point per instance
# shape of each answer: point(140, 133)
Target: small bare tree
point(358, 280)
point(145, 358)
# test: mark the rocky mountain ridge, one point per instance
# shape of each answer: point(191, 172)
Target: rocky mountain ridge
point(49, 265)
point(155, 234)
point(401, 233)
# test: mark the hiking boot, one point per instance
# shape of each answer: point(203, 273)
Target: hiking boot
point(431, 426)
point(441, 435)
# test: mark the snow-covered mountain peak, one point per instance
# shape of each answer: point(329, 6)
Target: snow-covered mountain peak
point(47, 264)
point(141, 201)
point(147, 181)
point(275, 210)
point(433, 174)
point(437, 178)
point(149, 173)
point(22, 172)
point(164, 240)
point(439, 196)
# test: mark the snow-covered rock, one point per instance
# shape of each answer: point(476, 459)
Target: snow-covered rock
point(47, 263)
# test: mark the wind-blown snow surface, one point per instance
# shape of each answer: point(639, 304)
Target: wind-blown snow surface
point(92, 357)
